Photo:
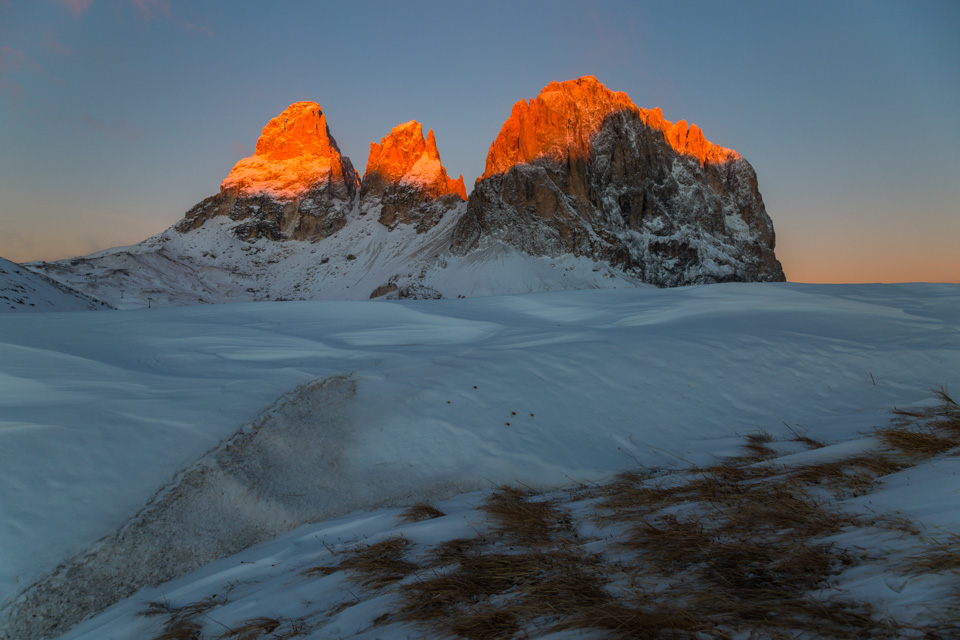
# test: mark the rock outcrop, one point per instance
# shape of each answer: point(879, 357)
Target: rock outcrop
point(296, 185)
point(405, 182)
point(581, 170)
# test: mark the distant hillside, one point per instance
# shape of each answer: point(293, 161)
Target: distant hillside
point(23, 290)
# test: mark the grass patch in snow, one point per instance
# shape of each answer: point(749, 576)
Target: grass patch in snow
point(420, 512)
point(739, 548)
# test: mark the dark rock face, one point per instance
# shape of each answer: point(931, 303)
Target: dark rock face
point(318, 214)
point(627, 197)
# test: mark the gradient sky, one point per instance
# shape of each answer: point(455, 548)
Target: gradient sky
point(116, 116)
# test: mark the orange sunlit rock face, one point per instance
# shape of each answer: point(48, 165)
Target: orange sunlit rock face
point(405, 157)
point(562, 120)
point(294, 154)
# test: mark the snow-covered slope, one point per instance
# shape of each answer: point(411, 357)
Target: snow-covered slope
point(211, 264)
point(23, 290)
point(100, 411)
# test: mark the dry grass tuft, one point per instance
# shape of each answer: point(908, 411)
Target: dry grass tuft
point(916, 444)
point(757, 446)
point(784, 510)
point(808, 442)
point(380, 564)
point(321, 571)
point(940, 558)
point(453, 551)
point(252, 629)
point(486, 623)
point(181, 629)
point(855, 474)
point(656, 620)
point(182, 622)
point(519, 517)
point(420, 512)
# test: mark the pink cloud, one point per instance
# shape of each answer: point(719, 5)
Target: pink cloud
point(12, 61)
point(77, 7)
point(51, 44)
point(150, 9)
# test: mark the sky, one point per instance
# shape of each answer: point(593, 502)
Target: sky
point(117, 116)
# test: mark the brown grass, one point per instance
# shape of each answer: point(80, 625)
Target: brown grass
point(916, 443)
point(252, 629)
point(181, 622)
point(181, 629)
point(420, 512)
point(516, 515)
point(380, 564)
point(486, 623)
point(321, 571)
point(656, 620)
point(939, 558)
point(756, 446)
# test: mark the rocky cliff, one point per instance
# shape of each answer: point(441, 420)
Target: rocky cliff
point(405, 182)
point(296, 185)
point(581, 170)
point(581, 189)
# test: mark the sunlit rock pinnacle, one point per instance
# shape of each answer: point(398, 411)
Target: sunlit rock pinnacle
point(564, 118)
point(294, 154)
point(296, 185)
point(405, 183)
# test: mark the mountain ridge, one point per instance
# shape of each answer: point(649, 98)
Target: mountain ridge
point(582, 190)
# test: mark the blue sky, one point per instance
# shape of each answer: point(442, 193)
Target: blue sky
point(116, 116)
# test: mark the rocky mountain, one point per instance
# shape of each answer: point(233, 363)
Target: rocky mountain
point(581, 170)
point(405, 181)
point(296, 185)
point(22, 290)
point(582, 189)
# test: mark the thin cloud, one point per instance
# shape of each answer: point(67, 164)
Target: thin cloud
point(14, 60)
point(117, 130)
point(150, 9)
point(52, 45)
point(76, 7)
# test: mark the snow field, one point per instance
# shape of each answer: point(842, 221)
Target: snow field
point(98, 412)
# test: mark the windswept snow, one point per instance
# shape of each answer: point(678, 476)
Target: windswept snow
point(99, 412)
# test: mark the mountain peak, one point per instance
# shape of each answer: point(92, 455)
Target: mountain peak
point(406, 157)
point(294, 153)
point(562, 120)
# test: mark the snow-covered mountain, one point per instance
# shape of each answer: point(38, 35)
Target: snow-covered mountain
point(582, 190)
point(24, 290)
